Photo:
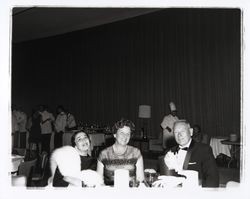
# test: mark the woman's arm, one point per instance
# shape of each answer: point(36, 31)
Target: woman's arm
point(73, 181)
point(140, 170)
point(53, 165)
point(100, 168)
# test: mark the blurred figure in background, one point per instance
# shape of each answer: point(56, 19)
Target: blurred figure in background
point(167, 124)
point(14, 130)
point(200, 136)
point(60, 125)
point(34, 128)
point(69, 128)
point(197, 135)
point(19, 125)
point(47, 120)
point(71, 123)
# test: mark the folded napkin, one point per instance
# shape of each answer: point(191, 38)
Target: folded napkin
point(168, 181)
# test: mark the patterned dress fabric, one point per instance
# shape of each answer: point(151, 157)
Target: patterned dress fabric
point(113, 161)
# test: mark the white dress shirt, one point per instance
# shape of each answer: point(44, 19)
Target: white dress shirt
point(46, 127)
point(168, 121)
point(181, 155)
point(61, 122)
point(21, 119)
point(71, 121)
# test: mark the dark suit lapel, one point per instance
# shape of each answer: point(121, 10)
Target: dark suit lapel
point(189, 153)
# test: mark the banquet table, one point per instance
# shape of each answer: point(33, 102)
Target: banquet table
point(218, 147)
point(15, 162)
point(235, 151)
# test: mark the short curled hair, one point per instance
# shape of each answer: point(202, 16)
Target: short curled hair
point(121, 123)
point(74, 136)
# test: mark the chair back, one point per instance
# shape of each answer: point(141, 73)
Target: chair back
point(97, 139)
point(19, 151)
point(43, 163)
point(43, 159)
point(162, 166)
point(26, 167)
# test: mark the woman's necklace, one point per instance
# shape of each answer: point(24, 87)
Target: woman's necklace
point(118, 151)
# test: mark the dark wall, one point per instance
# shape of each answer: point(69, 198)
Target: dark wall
point(189, 56)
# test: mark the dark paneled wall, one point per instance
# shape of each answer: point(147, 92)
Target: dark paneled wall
point(189, 56)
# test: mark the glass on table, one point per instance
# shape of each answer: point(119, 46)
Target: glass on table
point(134, 183)
point(150, 176)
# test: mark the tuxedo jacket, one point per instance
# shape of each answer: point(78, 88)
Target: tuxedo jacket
point(200, 158)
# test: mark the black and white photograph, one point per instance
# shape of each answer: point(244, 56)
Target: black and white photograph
point(123, 99)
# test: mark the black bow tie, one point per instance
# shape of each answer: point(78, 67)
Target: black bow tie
point(184, 148)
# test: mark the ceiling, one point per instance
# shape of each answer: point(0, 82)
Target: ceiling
point(35, 22)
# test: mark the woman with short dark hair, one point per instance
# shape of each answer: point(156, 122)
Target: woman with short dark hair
point(73, 164)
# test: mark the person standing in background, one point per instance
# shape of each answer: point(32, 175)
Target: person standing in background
point(60, 125)
point(167, 124)
point(69, 128)
point(71, 123)
point(21, 121)
point(34, 128)
point(46, 127)
point(14, 130)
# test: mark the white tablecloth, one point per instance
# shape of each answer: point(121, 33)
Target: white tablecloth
point(15, 162)
point(97, 139)
point(218, 147)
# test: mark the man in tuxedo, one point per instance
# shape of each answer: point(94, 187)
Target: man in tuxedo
point(191, 155)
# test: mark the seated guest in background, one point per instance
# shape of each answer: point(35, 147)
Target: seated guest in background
point(197, 135)
point(120, 155)
point(71, 123)
point(167, 124)
point(60, 125)
point(73, 165)
point(192, 155)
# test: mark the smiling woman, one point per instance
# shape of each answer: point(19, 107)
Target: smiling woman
point(74, 165)
point(121, 156)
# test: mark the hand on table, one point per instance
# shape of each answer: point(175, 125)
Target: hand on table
point(91, 178)
point(168, 181)
point(170, 160)
point(73, 181)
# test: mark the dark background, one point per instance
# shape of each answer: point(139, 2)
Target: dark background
point(189, 56)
